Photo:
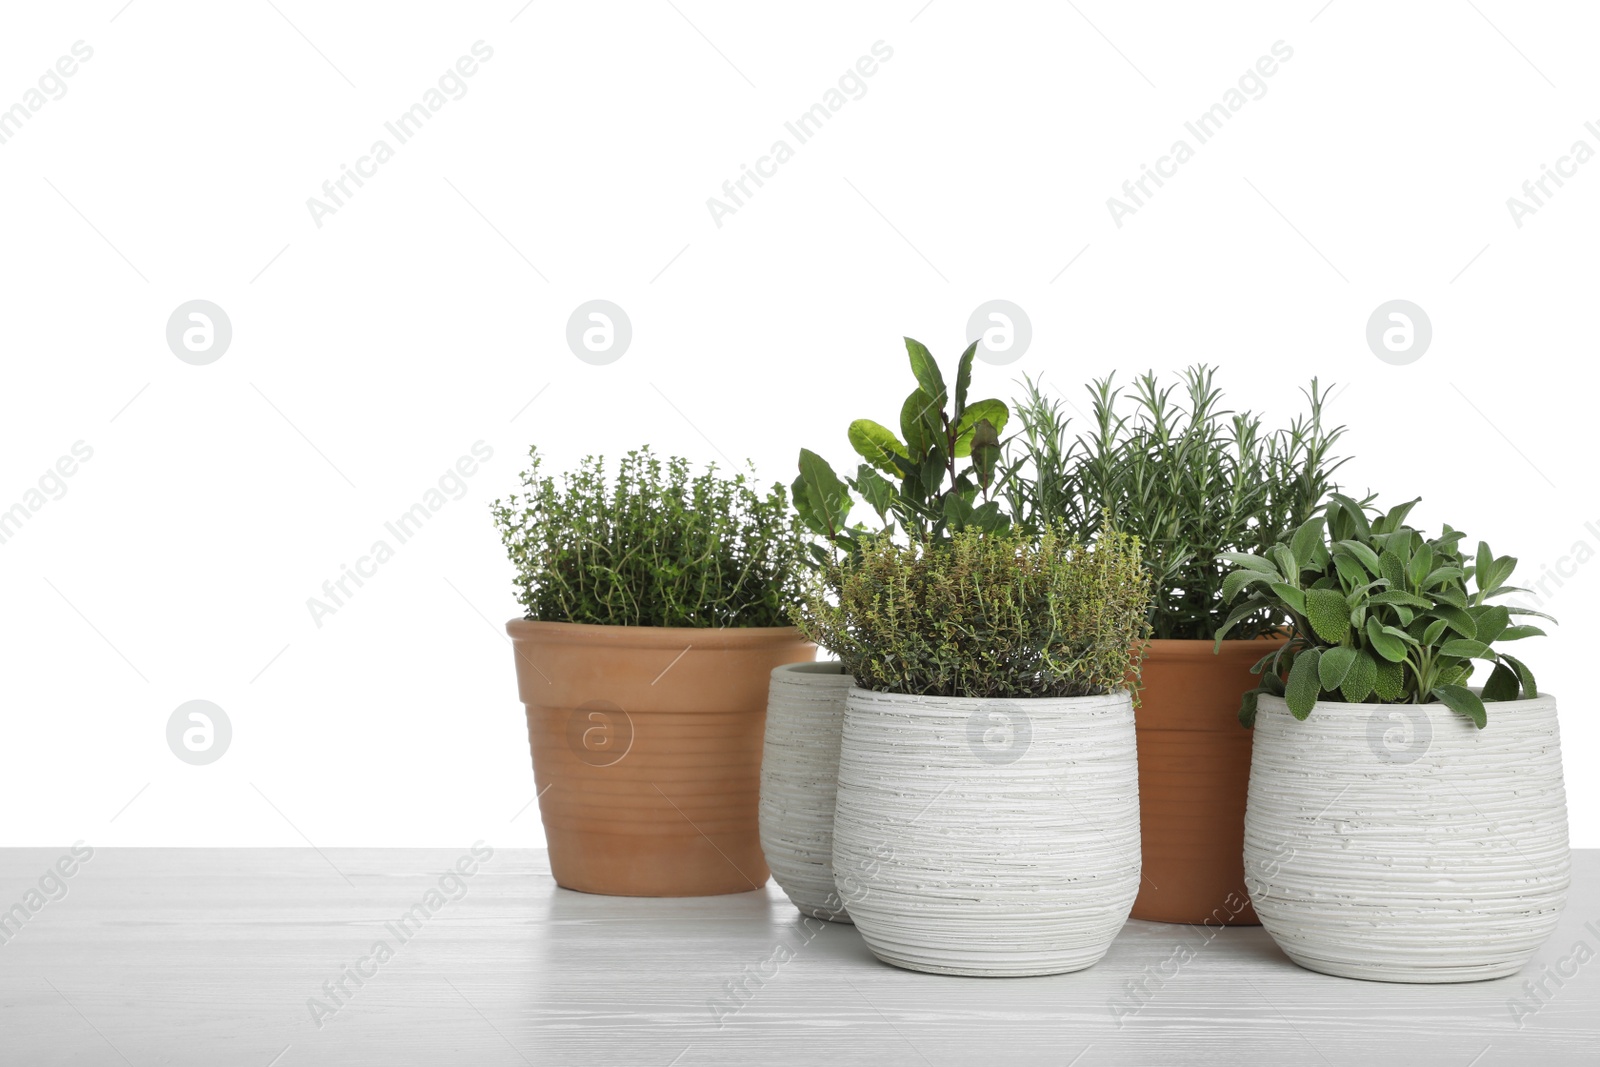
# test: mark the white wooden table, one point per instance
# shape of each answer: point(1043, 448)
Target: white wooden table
point(209, 957)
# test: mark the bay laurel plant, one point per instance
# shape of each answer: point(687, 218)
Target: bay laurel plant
point(982, 613)
point(1191, 479)
point(657, 546)
point(914, 481)
point(1380, 613)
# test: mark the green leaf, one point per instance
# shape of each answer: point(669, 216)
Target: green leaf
point(877, 445)
point(1248, 561)
point(1529, 686)
point(1517, 633)
point(1304, 686)
point(1466, 649)
point(1357, 685)
point(1307, 538)
point(1329, 614)
point(824, 492)
point(926, 370)
point(875, 490)
point(914, 425)
point(1400, 597)
point(995, 411)
point(1350, 571)
point(1334, 665)
point(1288, 566)
point(1247, 708)
point(1358, 515)
point(1363, 553)
point(1529, 611)
point(1503, 684)
point(1384, 643)
point(957, 511)
point(988, 518)
point(1440, 575)
point(1461, 699)
point(1491, 622)
point(1390, 683)
point(1294, 599)
point(985, 451)
point(1421, 565)
point(1392, 568)
point(1236, 582)
point(1457, 619)
point(1395, 517)
point(963, 380)
point(1248, 607)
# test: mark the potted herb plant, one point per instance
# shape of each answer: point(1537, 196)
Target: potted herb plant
point(987, 820)
point(1401, 826)
point(1193, 480)
point(656, 609)
point(939, 478)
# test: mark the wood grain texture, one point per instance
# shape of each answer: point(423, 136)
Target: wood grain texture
point(184, 957)
point(987, 837)
point(799, 782)
point(1398, 842)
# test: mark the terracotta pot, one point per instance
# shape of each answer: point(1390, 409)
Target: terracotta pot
point(1194, 775)
point(646, 749)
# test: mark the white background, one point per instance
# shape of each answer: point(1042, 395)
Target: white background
point(368, 354)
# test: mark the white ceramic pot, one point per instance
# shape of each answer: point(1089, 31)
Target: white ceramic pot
point(799, 776)
point(987, 837)
point(1399, 843)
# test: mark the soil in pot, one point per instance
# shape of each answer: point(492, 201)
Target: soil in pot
point(646, 746)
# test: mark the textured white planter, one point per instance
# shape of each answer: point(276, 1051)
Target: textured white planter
point(1399, 843)
point(987, 837)
point(799, 776)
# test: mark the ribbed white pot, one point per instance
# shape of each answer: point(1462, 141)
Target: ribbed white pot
point(799, 776)
point(987, 837)
point(1399, 843)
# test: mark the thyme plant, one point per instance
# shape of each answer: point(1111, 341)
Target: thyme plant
point(983, 614)
point(659, 546)
point(1190, 478)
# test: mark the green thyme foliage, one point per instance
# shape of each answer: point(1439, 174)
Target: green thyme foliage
point(927, 491)
point(1192, 480)
point(1381, 614)
point(983, 614)
point(659, 547)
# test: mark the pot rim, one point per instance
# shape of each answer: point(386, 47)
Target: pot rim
point(823, 670)
point(706, 637)
point(1544, 697)
point(1201, 647)
point(1116, 696)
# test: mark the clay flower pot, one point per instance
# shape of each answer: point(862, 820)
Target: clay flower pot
point(1399, 843)
point(1194, 772)
point(799, 779)
point(646, 749)
point(987, 837)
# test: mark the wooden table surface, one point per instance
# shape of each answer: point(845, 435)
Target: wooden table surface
point(214, 957)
